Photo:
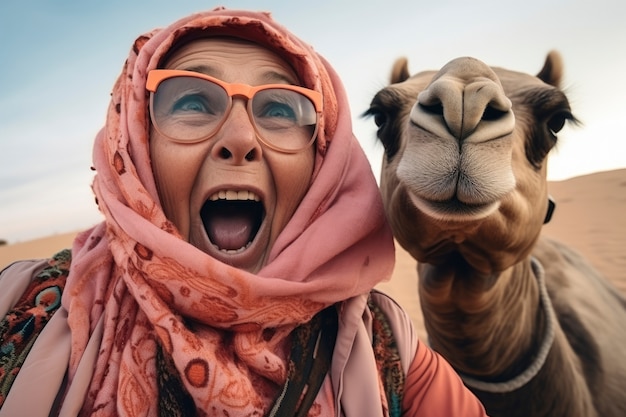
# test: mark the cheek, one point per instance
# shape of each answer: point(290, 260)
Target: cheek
point(293, 178)
point(174, 174)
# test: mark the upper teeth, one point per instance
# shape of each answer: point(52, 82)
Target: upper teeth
point(234, 195)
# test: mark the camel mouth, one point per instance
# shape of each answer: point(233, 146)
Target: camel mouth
point(232, 219)
point(453, 209)
point(457, 209)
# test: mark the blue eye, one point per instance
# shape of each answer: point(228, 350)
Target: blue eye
point(277, 110)
point(192, 103)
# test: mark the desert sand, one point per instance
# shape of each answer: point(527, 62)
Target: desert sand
point(589, 217)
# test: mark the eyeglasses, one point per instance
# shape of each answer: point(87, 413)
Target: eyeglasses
point(190, 107)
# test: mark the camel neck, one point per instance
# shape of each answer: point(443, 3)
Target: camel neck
point(548, 338)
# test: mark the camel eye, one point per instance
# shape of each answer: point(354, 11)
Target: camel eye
point(385, 132)
point(380, 118)
point(557, 121)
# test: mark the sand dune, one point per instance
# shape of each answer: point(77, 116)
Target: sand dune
point(37, 248)
point(589, 217)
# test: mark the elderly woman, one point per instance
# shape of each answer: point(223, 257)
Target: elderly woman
point(233, 273)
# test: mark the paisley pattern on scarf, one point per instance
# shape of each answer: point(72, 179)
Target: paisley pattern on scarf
point(23, 323)
point(225, 330)
point(311, 352)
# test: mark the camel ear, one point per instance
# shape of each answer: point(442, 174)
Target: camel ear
point(552, 70)
point(400, 70)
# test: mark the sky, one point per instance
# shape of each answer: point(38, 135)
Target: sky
point(60, 58)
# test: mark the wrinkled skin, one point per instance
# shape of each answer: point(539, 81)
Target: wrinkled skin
point(232, 162)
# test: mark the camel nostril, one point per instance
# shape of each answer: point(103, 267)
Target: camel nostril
point(490, 114)
point(436, 109)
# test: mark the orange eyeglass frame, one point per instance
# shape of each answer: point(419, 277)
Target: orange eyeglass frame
point(155, 77)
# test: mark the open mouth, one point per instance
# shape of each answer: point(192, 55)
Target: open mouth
point(232, 219)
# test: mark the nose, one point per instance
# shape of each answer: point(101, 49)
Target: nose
point(465, 98)
point(236, 141)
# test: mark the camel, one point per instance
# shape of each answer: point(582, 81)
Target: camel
point(529, 325)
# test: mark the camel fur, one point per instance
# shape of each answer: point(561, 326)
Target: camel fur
point(530, 326)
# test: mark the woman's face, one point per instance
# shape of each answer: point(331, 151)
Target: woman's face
point(257, 189)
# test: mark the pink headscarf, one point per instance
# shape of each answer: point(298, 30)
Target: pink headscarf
point(224, 328)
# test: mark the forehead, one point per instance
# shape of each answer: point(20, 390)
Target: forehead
point(224, 58)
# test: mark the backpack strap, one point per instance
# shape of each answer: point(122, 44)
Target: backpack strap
point(388, 359)
point(311, 355)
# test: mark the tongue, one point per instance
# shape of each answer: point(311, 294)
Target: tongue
point(229, 228)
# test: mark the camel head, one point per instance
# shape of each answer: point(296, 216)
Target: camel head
point(464, 169)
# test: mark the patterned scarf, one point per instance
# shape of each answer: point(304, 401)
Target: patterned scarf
point(225, 331)
point(23, 323)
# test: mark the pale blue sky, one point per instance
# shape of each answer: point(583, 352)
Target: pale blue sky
point(60, 59)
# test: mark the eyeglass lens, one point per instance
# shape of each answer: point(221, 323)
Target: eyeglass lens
point(192, 109)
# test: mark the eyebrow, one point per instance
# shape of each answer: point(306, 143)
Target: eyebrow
point(274, 76)
point(269, 77)
point(203, 69)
